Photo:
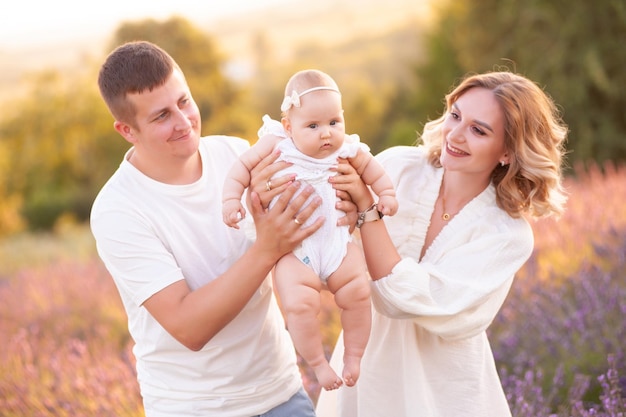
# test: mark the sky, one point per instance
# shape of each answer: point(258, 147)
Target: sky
point(27, 23)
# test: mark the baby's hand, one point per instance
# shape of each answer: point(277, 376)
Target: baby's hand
point(232, 213)
point(388, 205)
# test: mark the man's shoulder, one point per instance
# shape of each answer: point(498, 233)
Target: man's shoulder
point(116, 194)
point(225, 142)
point(220, 151)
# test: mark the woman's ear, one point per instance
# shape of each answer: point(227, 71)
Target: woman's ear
point(504, 159)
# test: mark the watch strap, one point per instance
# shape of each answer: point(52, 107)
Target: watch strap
point(371, 214)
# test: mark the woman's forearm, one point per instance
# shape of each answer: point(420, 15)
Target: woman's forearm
point(380, 253)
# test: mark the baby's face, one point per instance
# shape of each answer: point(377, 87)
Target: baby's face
point(317, 127)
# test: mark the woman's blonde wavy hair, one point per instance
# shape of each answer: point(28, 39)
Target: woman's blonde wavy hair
point(534, 137)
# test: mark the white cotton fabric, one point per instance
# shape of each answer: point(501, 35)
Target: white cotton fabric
point(150, 235)
point(428, 353)
point(325, 249)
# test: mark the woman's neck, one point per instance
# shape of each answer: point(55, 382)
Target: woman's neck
point(457, 190)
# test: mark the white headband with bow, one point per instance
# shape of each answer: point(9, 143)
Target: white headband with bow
point(294, 98)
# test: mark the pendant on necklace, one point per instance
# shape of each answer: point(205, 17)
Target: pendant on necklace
point(445, 216)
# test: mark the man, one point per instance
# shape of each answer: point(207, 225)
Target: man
point(209, 337)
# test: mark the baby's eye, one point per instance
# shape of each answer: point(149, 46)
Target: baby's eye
point(313, 125)
point(333, 123)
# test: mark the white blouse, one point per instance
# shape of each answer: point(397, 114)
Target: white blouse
point(428, 353)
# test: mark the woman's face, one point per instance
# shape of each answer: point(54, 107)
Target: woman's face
point(473, 134)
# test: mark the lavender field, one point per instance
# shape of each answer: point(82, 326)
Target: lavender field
point(560, 340)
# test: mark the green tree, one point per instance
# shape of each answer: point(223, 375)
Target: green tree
point(57, 143)
point(10, 203)
point(61, 143)
point(197, 54)
point(571, 48)
point(421, 101)
point(372, 72)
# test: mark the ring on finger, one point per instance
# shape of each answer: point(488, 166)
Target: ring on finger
point(268, 185)
point(295, 219)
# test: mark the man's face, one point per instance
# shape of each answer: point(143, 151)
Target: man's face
point(167, 124)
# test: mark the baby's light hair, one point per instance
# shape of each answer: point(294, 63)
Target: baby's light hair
point(303, 82)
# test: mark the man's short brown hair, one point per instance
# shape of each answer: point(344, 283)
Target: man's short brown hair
point(133, 67)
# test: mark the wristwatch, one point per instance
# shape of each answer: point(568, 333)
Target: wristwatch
point(371, 214)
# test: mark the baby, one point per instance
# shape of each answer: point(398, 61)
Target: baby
point(312, 136)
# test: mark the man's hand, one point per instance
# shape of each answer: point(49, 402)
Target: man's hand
point(280, 229)
point(262, 181)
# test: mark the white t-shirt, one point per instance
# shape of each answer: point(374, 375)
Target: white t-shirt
point(150, 235)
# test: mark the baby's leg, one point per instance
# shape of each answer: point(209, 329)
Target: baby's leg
point(352, 294)
point(299, 293)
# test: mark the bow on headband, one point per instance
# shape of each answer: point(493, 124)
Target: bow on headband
point(294, 98)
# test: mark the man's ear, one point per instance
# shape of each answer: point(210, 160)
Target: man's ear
point(125, 130)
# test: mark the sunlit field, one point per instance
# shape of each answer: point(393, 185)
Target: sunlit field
point(559, 341)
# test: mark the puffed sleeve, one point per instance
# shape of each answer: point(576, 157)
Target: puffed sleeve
point(271, 127)
point(457, 290)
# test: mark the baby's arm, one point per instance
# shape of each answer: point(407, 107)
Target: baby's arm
point(374, 175)
point(238, 179)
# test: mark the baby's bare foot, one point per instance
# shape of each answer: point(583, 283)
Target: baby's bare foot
point(327, 378)
point(351, 370)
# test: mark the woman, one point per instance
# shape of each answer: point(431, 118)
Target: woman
point(443, 265)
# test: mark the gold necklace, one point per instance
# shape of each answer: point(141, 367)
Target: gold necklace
point(445, 216)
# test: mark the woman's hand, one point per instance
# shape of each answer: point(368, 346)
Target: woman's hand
point(346, 205)
point(262, 183)
point(348, 180)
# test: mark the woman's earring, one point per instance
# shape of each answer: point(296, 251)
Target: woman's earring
point(502, 163)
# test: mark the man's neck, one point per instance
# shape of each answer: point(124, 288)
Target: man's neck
point(171, 171)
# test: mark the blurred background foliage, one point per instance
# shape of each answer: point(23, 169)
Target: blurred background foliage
point(558, 340)
point(58, 147)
